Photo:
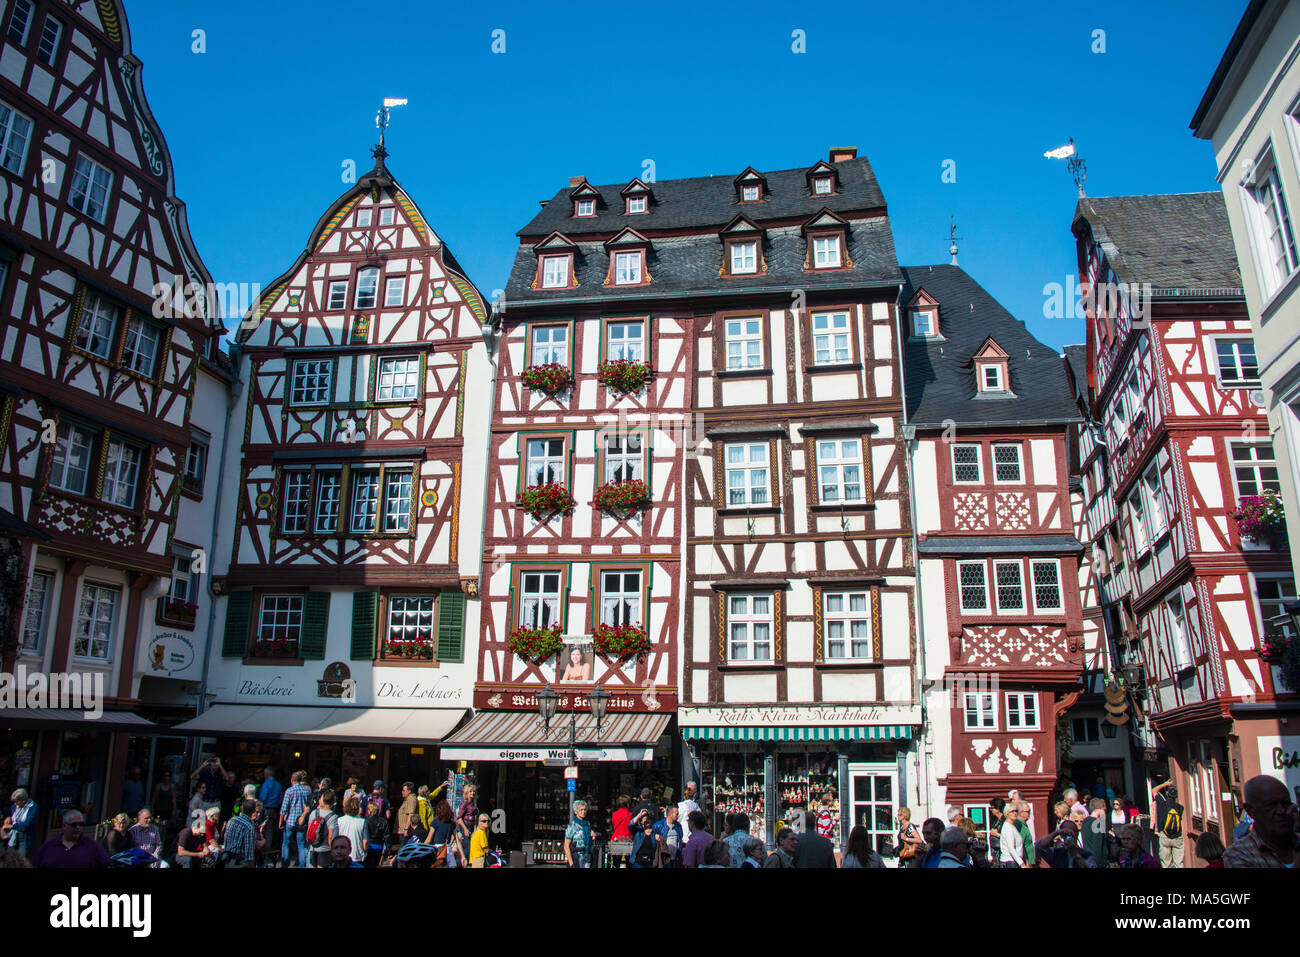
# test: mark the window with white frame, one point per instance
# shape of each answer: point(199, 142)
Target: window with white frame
point(121, 473)
point(744, 343)
point(544, 462)
point(744, 257)
point(1120, 416)
point(623, 457)
point(550, 345)
point(15, 132)
point(626, 341)
point(1275, 594)
point(1178, 634)
point(966, 464)
point(49, 42)
point(297, 494)
point(365, 501)
point(1006, 463)
point(1133, 394)
point(90, 185)
point(539, 599)
point(1194, 776)
point(990, 377)
point(923, 323)
point(627, 269)
point(36, 616)
point(387, 215)
point(97, 330)
point(821, 185)
point(826, 252)
point(20, 21)
point(1153, 499)
point(620, 598)
point(363, 216)
point(846, 620)
point(972, 581)
point(338, 295)
point(410, 617)
point(397, 500)
point(399, 379)
point(555, 272)
point(1254, 468)
point(329, 497)
point(1047, 584)
point(839, 470)
point(311, 382)
point(636, 204)
point(1010, 586)
point(196, 465)
point(140, 346)
point(831, 344)
point(367, 288)
point(586, 207)
point(749, 194)
point(1270, 223)
point(183, 588)
point(96, 621)
point(748, 478)
point(394, 291)
point(1207, 781)
point(73, 448)
point(1138, 521)
point(1238, 367)
point(749, 627)
point(280, 616)
point(1022, 710)
point(981, 711)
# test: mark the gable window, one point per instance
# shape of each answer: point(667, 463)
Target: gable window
point(747, 473)
point(626, 341)
point(73, 448)
point(744, 257)
point(97, 330)
point(623, 457)
point(363, 216)
point(1271, 230)
point(121, 474)
point(839, 470)
point(90, 185)
point(846, 616)
point(545, 462)
point(15, 131)
point(387, 216)
point(1154, 501)
point(297, 492)
point(1010, 586)
point(539, 602)
point(1006, 463)
point(49, 44)
point(826, 252)
point(395, 291)
point(96, 621)
point(744, 343)
point(140, 346)
point(923, 324)
point(990, 377)
point(397, 500)
point(831, 338)
point(1238, 367)
point(550, 345)
point(636, 204)
point(620, 598)
point(329, 495)
point(749, 628)
point(974, 588)
point(280, 616)
point(555, 272)
point(966, 464)
point(311, 382)
point(821, 185)
point(365, 501)
point(1178, 636)
point(338, 295)
point(40, 595)
point(1022, 711)
point(367, 288)
point(399, 379)
point(1255, 468)
point(981, 711)
point(627, 269)
point(1047, 585)
point(586, 207)
point(20, 20)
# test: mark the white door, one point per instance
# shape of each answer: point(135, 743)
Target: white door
point(873, 797)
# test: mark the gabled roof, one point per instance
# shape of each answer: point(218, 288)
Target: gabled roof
point(820, 168)
point(627, 237)
point(742, 224)
point(556, 241)
point(636, 188)
point(750, 175)
point(584, 190)
point(825, 219)
point(939, 375)
point(1174, 241)
point(921, 298)
point(990, 348)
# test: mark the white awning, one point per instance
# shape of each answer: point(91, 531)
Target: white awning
point(344, 724)
point(519, 736)
point(107, 721)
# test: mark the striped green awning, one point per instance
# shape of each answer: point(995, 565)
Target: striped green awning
point(870, 732)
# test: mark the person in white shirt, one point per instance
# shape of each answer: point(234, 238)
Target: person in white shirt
point(1011, 843)
point(687, 804)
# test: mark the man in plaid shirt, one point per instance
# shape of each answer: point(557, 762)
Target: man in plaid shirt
point(1274, 841)
point(241, 834)
point(293, 803)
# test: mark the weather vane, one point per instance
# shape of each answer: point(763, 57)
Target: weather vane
point(381, 122)
point(952, 238)
point(1077, 166)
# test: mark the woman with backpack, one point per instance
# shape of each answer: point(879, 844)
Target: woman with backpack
point(322, 827)
point(376, 834)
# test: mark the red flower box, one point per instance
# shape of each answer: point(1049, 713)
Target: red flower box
point(535, 644)
point(541, 500)
point(622, 497)
point(624, 375)
point(621, 641)
point(551, 378)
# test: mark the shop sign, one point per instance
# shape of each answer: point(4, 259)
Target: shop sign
point(442, 688)
point(820, 715)
point(171, 654)
point(544, 754)
point(647, 700)
point(1280, 757)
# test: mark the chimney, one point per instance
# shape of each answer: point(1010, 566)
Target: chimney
point(576, 181)
point(841, 153)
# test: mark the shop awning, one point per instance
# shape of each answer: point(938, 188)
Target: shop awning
point(78, 719)
point(871, 732)
point(344, 724)
point(518, 736)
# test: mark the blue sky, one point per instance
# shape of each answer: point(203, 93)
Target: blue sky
point(260, 124)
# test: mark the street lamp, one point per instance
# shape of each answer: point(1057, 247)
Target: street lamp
point(547, 701)
point(599, 700)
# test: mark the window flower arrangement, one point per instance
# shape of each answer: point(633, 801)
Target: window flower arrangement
point(541, 500)
point(421, 646)
point(551, 378)
point(622, 497)
point(191, 482)
point(277, 646)
point(621, 641)
point(1260, 518)
point(624, 375)
point(1283, 652)
point(177, 610)
point(535, 644)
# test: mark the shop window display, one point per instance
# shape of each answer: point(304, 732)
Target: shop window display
point(736, 782)
point(802, 779)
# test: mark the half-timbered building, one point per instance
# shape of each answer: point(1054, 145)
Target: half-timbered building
point(99, 372)
point(990, 411)
point(1172, 367)
point(349, 564)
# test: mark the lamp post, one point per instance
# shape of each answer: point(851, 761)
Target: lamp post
point(548, 702)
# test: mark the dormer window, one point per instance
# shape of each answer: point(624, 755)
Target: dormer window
point(827, 242)
point(555, 263)
point(826, 252)
point(992, 370)
point(749, 194)
point(744, 257)
point(627, 259)
point(585, 207)
point(742, 248)
point(635, 204)
point(636, 198)
point(990, 377)
point(627, 268)
point(923, 324)
point(821, 185)
point(750, 186)
point(555, 272)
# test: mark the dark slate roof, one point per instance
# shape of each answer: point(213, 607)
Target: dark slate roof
point(1174, 241)
point(11, 524)
point(1077, 359)
point(1000, 544)
point(940, 374)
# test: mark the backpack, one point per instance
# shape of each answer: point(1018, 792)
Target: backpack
point(1114, 849)
point(315, 827)
point(1173, 826)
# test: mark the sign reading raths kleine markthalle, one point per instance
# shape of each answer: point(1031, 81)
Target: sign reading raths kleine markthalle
point(650, 700)
point(820, 714)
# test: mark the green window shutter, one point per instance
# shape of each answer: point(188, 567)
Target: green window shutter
point(365, 609)
point(315, 624)
point(451, 626)
point(239, 611)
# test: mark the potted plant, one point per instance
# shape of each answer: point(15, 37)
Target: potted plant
point(551, 378)
point(177, 610)
point(191, 483)
point(535, 644)
point(622, 498)
point(1283, 652)
point(1260, 518)
point(621, 641)
point(281, 646)
point(624, 375)
point(542, 500)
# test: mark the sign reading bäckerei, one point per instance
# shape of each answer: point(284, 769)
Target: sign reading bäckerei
point(530, 753)
point(760, 715)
